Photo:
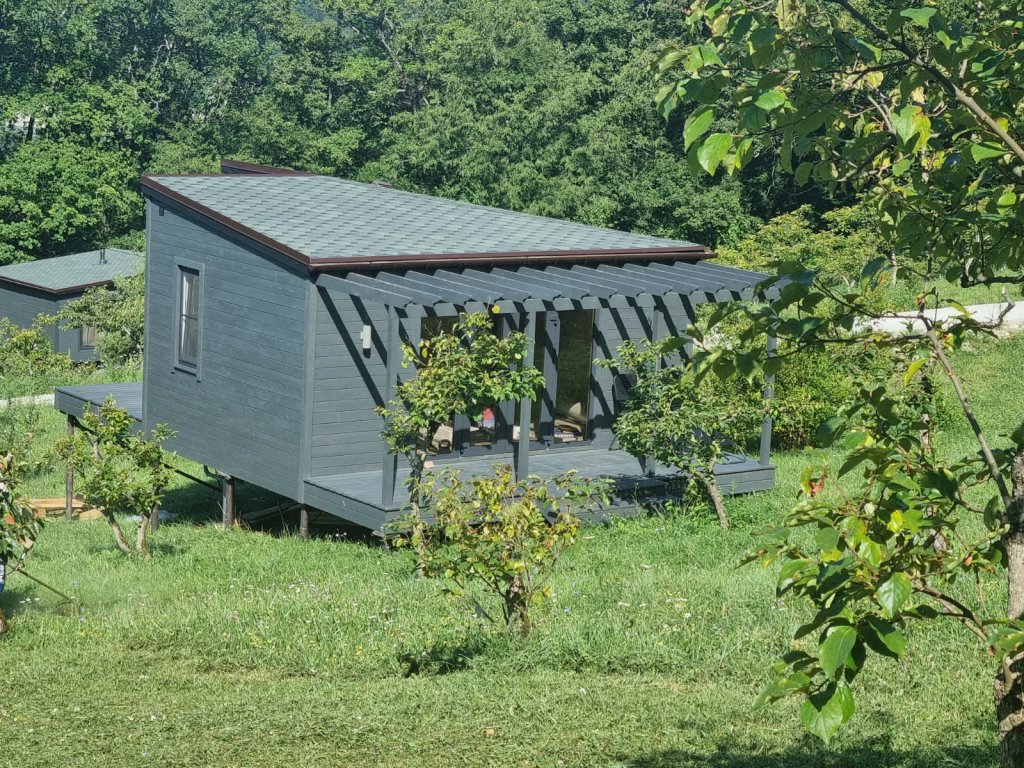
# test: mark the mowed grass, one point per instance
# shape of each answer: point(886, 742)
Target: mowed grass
point(239, 648)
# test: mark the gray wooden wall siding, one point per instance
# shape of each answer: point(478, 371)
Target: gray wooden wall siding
point(22, 305)
point(348, 384)
point(244, 414)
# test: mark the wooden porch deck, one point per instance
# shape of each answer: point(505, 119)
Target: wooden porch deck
point(74, 400)
point(360, 492)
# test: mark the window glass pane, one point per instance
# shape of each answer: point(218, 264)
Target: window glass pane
point(188, 328)
point(89, 336)
point(189, 340)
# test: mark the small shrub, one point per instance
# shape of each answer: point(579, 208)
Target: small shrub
point(27, 355)
point(19, 425)
point(499, 535)
point(19, 527)
point(675, 419)
point(120, 470)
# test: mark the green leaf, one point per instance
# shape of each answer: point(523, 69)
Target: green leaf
point(913, 368)
point(986, 151)
point(827, 539)
point(771, 100)
point(910, 122)
point(830, 430)
point(697, 124)
point(894, 593)
point(803, 172)
point(825, 712)
point(884, 638)
point(713, 151)
point(836, 649)
point(919, 16)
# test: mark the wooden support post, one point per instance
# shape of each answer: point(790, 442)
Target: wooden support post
point(394, 354)
point(549, 368)
point(227, 484)
point(69, 478)
point(522, 462)
point(769, 393)
point(505, 412)
point(303, 523)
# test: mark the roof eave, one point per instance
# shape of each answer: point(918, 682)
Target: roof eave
point(694, 253)
point(54, 291)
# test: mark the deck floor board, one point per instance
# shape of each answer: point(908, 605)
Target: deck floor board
point(74, 400)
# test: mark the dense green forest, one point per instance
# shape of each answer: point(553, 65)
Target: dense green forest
point(545, 107)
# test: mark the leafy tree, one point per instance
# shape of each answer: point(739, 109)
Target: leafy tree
point(460, 372)
point(836, 244)
point(25, 353)
point(57, 197)
point(19, 527)
point(918, 107)
point(502, 534)
point(120, 470)
point(117, 313)
point(671, 419)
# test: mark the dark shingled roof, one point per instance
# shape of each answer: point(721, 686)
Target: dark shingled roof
point(320, 220)
point(77, 271)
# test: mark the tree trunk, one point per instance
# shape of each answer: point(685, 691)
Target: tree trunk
point(141, 545)
point(122, 542)
point(1009, 685)
point(517, 610)
point(715, 494)
point(3, 622)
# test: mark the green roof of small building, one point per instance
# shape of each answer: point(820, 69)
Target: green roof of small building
point(77, 271)
point(323, 219)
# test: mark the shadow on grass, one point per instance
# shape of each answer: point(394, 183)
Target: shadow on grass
point(811, 754)
point(443, 658)
point(195, 504)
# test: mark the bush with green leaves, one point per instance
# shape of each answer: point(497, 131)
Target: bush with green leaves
point(117, 313)
point(671, 418)
point(459, 372)
point(27, 356)
point(499, 536)
point(836, 244)
point(19, 526)
point(119, 470)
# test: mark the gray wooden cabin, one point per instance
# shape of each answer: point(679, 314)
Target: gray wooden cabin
point(43, 287)
point(277, 303)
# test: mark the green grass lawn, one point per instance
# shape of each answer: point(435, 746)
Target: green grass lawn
point(247, 649)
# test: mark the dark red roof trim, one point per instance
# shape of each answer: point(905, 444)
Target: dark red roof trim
point(687, 252)
point(263, 170)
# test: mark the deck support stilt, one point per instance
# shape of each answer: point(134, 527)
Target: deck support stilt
point(69, 478)
point(227, 485)
point(766, 425)
point(303, 523)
